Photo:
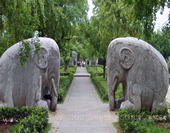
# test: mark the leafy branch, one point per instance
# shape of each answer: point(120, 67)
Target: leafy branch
point(25, 50)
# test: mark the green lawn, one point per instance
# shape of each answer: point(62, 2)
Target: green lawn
point(103, 82)
point(69, 69)
point(98, 70)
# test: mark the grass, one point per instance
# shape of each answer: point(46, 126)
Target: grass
point(168, 105)
point(117, 126)
point(47, 128)
point(119, 92)
point(150, 126)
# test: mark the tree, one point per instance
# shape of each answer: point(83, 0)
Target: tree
point(168, 62)
point(145, 13)
point(17, 23)
point(114, 20)
point(57, 19)
point(161, 41)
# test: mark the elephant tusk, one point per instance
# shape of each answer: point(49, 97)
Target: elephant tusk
point(54, 87)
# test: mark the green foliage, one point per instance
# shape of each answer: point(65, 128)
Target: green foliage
point(132, 120)
point(168, 62)
point(17, 22)
point(161, 41)
point(71, 69)
point(145, 13)
point(102, 89)
point(65, 81)
point(119, 92)
point(30, 119)
point(25, 50)
point(59, 20)
point(100, 83)
point(95, 71)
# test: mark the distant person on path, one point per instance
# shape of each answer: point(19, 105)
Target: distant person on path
point(83, 63)
point(80, 64)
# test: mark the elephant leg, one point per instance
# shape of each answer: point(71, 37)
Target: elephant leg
point(112, 102)
point(157, 105)
point(136, 93)
point(6, 99)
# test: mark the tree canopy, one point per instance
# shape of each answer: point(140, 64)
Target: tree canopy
point(66, 22)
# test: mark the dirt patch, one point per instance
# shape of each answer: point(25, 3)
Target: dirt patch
point(6, 126)
point(165, 125)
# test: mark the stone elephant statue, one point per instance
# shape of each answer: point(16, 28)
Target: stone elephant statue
point(24, 85)
point(141, 69)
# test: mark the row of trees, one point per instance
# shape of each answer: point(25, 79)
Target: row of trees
point(121, 18)
point(66, 22)
point(57, 19)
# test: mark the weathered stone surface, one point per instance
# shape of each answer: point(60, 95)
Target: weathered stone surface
point(23, 86)
point(141, 69)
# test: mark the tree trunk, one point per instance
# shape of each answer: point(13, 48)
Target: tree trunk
point(104, 68)
point(66, 65)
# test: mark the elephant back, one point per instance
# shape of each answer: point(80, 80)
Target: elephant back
point(138, 43)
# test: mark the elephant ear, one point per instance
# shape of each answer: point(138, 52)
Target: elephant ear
point(126, 57)
point(41, 60)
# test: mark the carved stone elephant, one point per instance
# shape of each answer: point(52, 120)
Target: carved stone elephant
point(141, 69)
point(23, 85)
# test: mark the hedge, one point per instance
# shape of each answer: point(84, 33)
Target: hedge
point(134, 121)
point(70, 69)
point(92, 70)
point(65, 82)
point(103, 92)
point(30, 119)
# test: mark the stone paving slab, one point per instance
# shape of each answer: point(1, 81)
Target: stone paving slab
point(82, 111)
point(81, 75)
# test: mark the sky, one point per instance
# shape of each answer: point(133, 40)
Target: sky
point(160, 21)
point(91, 6)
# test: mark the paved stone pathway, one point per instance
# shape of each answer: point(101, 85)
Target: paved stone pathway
point(168, 95)
point(82, 111)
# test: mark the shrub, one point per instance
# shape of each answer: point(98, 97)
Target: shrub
point(102, 90)
point(132, 120)
point(65, 82)
point(30, 119)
